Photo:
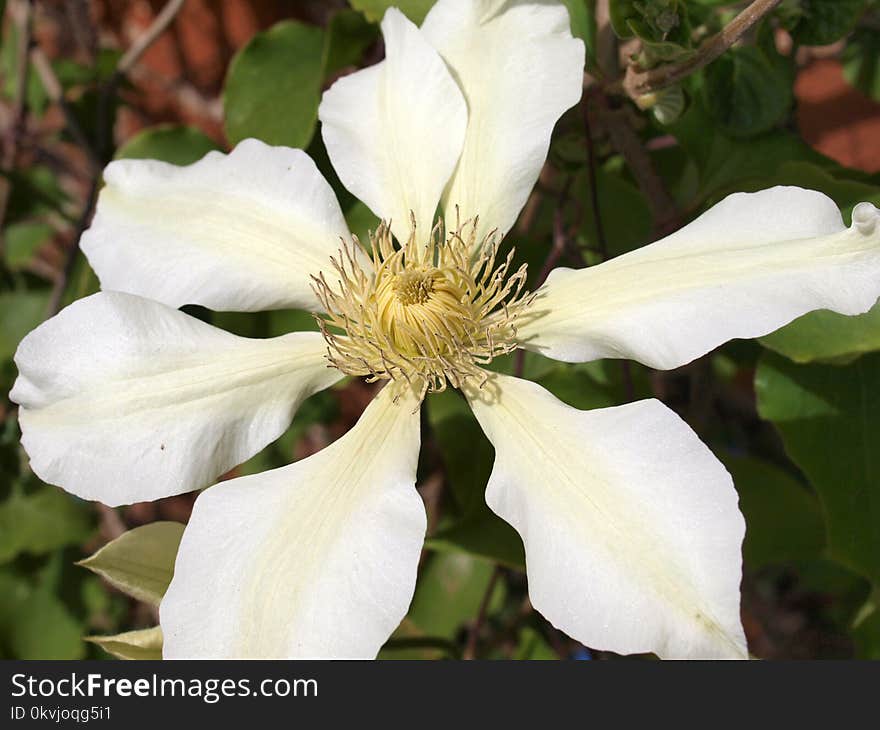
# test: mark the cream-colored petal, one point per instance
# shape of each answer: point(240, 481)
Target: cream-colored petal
point(520, 69)
point(123, 399)
point(314, 560)
point(749, 265)
point(394, 131)
point(242, 232)
point(630, 524)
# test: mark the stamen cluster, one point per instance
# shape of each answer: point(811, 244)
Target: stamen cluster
point(429, 313)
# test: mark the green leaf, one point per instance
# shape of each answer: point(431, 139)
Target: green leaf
point(361, 220)
point(35, 93)
point(866, 628)
point(746, 92)
point(172, 143)
point(23, 240)
point(861, 61)
point(783, 520)
point(725, 164)
point(273, 87)
point(20, 312)
point(826, 179)
point(349, 35)
point(583, 23)
point(468, 457)
point(620, 12)
point(824, 335)
point(41, 522)
point(626, 215)
point(374, 10)
point(829, 419)
point(821, 22)
point(141, 561)
point(35, 624)
point(533, 647)
point(483, 535)
point(655, 20)
point(140, 644)
point(827, 336)
point(35, 192)
point(467, 453)
point(449, 592)
point(577, 386)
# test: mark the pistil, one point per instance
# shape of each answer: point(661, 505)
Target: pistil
point(431, 314)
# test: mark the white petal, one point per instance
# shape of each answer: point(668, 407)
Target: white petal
point(746, 267)
point(242, 231)
point(314, 560)
point(124, 399)
point(520, 69)
point(630, 524)
point(394, 131)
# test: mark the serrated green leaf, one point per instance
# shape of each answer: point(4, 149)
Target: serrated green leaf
point(172, 143)
point(41, 522)
point(829, 419)
point(746, 92)
point(140, 644)
point(141, 561)
point(662, 25)
point(273, 86)
point(726, 164)
point(374, 10)
point(821, 22)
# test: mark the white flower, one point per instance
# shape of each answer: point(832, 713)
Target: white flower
point(630, 525)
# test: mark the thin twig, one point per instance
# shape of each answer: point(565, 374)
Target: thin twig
point(560, 240)
point(625, 369)
point(99, 151)
point(125, 65)
point(60, 285)
point(592, 164)
point(470, 648)
point(637, 83)
point(141, 44)
point(111, 524)
point(606, 42)
point(55, 93)
point(616, 124)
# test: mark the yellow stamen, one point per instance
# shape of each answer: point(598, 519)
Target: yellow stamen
point(430, 314)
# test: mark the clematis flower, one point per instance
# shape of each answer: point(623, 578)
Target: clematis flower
point(630, 525)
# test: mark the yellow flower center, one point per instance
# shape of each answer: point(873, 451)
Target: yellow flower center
point(430, 314)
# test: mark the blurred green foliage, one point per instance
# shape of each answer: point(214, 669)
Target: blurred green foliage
point(795, 417)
